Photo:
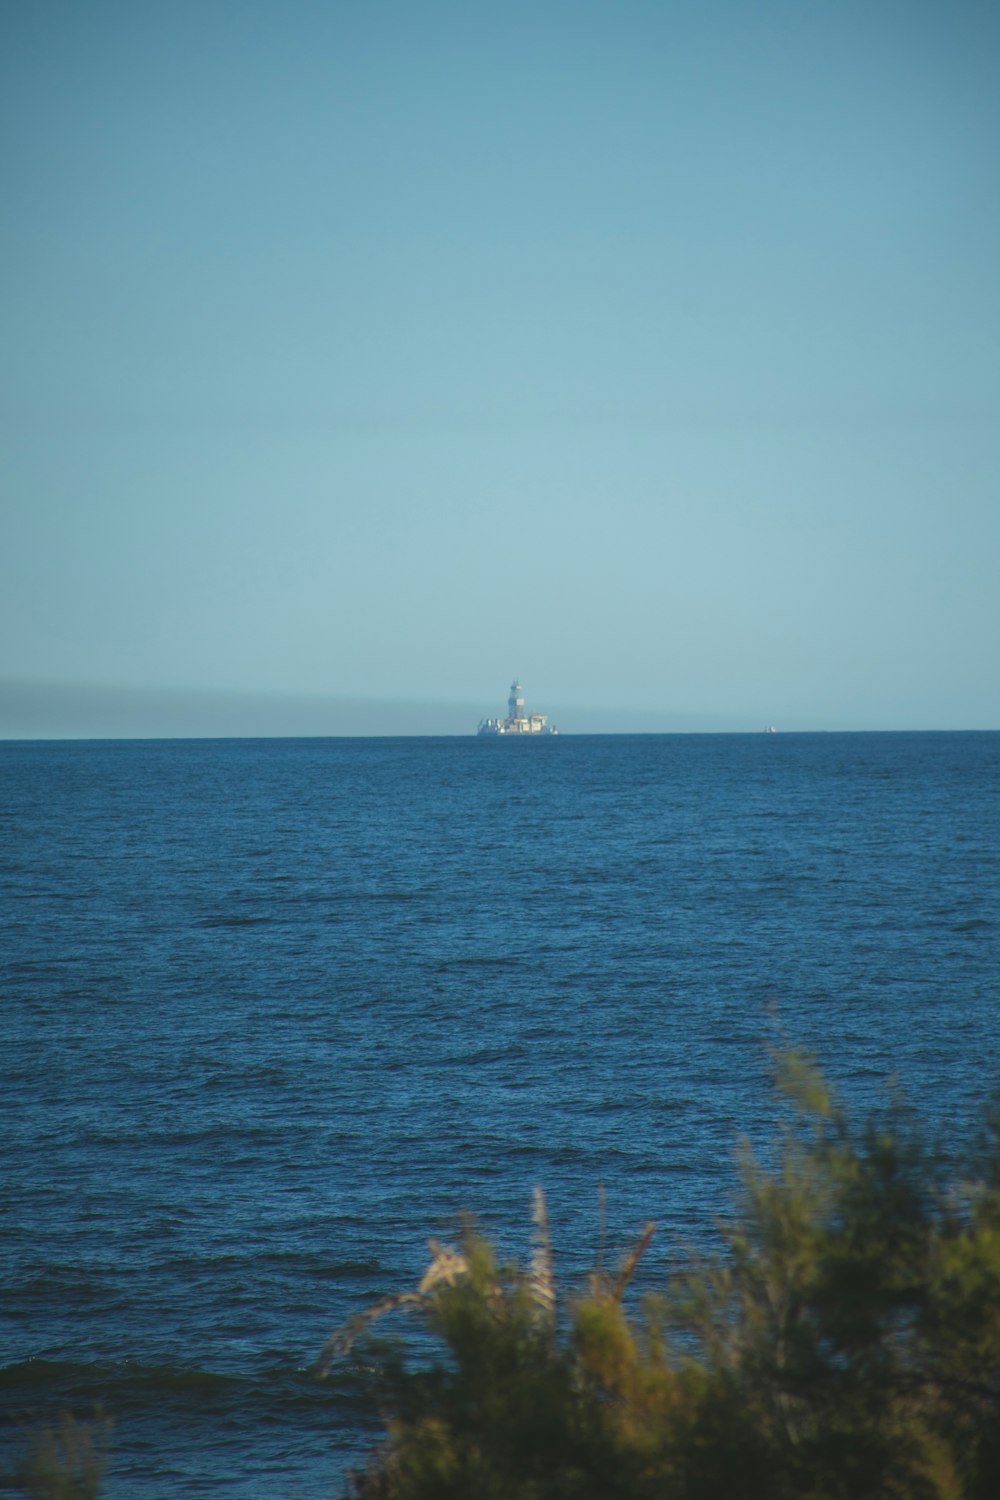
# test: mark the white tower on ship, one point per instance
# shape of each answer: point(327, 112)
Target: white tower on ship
point(517, 721)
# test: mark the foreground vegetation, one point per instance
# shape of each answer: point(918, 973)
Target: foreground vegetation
point(66, 1461)
point(845, 1344)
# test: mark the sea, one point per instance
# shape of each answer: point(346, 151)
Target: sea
point(275, 1012)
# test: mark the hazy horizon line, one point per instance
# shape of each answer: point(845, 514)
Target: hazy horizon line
point(37, 709)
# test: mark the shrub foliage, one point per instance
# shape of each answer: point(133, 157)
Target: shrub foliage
point(845, 1344)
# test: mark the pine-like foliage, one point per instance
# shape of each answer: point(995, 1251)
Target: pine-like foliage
point(67, 1459)
point(844, 1346)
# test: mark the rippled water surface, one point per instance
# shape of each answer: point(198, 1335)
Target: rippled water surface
point(274, 1011)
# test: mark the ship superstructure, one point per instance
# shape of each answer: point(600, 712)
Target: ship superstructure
point(517, 721)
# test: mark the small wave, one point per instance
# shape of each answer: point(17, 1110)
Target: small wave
point(131, 1386)
point(84, 1380)
point(246, 1073)
point(479, 961)
point(485, 1055)
point(67, 1283)
point(227, 921)
point(394, 898)
point(230, 1133)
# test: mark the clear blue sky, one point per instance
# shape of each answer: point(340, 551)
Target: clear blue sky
point(362, 354)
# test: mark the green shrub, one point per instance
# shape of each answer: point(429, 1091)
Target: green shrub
point(845, 1345)
point(66, 1460)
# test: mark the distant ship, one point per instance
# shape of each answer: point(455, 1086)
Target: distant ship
point(517, 721)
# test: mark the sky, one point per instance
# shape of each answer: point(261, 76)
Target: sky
point(359, 357)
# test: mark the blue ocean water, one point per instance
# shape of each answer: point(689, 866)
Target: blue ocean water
point(275, 1011)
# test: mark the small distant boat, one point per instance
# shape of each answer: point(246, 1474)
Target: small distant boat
point(517, 721)
point(770, 729)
